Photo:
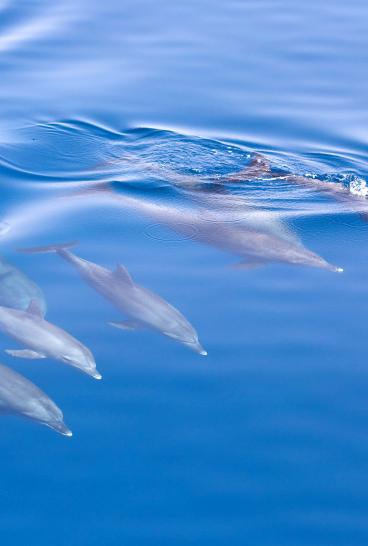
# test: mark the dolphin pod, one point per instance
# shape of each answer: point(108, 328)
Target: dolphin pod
point(22, 310)
point(218, 218)
point(144, 308)
point(18, 396)
point(44, 340)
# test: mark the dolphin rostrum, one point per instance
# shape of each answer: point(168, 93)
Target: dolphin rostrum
point(18, 396)
point(17, 290)
point(44, 340)
point(144, 308)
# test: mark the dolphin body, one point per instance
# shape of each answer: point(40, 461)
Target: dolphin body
point(144, 308)
point(17, 290)
point(250, 238)
point(18, 396)
point(44, 340)
point(261, 168)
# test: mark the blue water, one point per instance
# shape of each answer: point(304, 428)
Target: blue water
point(264, 441)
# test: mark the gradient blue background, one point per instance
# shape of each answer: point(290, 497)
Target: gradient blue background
point(265, 442)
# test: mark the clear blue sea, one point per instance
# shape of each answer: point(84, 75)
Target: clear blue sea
point(122, 124)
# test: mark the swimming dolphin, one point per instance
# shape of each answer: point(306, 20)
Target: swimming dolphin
point(261, 168)
point(218, 206)
point(144, 308)
point(18, 396)
point(17, 290)
point(251, 239)
point(44, 340)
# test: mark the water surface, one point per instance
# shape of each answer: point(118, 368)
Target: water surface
point(108, 104)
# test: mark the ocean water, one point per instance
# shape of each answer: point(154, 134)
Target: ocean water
point(124, 127)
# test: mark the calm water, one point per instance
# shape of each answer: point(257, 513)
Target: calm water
point(122, 123)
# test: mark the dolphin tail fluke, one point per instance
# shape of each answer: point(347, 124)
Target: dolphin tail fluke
point(48, 248)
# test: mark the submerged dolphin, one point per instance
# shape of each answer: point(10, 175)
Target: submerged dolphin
point(252, 239)
point(18, 396)
point(17, 290)
point(45, 340)
point(143, 307)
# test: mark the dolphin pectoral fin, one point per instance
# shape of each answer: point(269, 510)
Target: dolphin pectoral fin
point(126, 325)
point(248, 264)
point(122, 274)
point(35, 309)
point(25, 353)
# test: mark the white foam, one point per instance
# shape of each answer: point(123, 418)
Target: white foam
point(358, 186)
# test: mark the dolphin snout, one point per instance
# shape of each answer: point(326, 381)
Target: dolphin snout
point(197, 347)
point(92, 372)
point(61, 427)
point(330, 267)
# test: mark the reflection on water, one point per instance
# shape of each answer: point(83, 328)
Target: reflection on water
point(227, 196)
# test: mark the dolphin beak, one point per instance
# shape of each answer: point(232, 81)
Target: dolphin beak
point(197, 347)
point(334, 268)
point(96, 375)
point(61, 428)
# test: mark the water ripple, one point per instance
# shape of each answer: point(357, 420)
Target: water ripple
point(183, 170)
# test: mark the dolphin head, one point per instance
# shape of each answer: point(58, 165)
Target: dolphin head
point(184, 333)
point(60, 427)
point(196, 347)
point(81, 357)
point(46, 412)
point(303, 256)
point(190, 340)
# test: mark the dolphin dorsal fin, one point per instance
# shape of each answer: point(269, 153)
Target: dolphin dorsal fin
point(122, 274)
point(34, 308)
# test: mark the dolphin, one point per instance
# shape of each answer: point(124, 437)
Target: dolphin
point(261, 168)
point(144, 308)
point(248, 236)
point(18, 396)
point(17, 290)
point(44, 340)
point(211, 194)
